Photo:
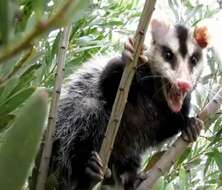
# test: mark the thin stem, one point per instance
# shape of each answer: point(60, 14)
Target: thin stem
point(47, 148)
point(124, 86)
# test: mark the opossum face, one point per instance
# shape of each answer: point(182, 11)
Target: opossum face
point(177, 59)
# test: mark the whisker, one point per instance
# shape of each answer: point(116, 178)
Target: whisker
point(161, 87)
point(151, 76)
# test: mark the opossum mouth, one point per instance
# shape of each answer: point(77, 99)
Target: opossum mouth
point(174, 97)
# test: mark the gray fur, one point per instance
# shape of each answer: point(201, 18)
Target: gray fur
point(81, 102)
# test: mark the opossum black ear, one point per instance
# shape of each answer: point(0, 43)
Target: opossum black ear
point(201, 36)
point(159, 28)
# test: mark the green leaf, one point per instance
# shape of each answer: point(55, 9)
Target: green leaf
point(38, 6)
point(77, 9)
point(26, 13)
point(4, 24)
point(193, 12)
point(26, 78)
point(153, 160)
point(183, 179)
point(114, 22)
point(218, 158)
point(169, 186)
point(5, 119)
point(7, 88)
point(174, 8)
point(16, 100)
point(55, 45)
point(20, 143)
point(184, 156)
point(207, 165)
point(160, 184)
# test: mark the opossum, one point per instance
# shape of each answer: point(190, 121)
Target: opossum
point(157, 108)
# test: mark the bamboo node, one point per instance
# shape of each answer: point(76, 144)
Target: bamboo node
point(121, 88)
point(141, 32)
point(63, 47)
point(215, 101)
point(51, 117)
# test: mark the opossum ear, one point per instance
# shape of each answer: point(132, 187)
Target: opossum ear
point(159, 28)
point(201, 36)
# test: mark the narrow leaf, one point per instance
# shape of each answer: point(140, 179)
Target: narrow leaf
point(20, 144)
point(160, 184)
point(16, 100)
point(5, 119)
point(183, 178)
point(4, 24)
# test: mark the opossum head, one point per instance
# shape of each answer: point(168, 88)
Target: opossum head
point(176, 57)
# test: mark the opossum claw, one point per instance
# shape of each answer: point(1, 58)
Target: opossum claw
point(139, 179)
point(129, 50)
point(143, 58)
point(94, 167)
point(129, 46)
point(192, 131)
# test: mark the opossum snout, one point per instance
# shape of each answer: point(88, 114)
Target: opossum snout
point(183, 85)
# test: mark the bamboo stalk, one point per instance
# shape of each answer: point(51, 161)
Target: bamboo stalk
point(168, 159)
point(124, 86)
point(47, 148)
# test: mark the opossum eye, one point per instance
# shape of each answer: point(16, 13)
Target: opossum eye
point(193, 60)
point(167, 54)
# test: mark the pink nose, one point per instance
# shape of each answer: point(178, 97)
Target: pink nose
point(184, 86)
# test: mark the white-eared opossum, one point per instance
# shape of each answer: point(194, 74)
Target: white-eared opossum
point(157, 108)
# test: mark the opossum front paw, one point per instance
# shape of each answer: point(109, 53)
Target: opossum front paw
point(139, 179)
point(129, 50)
point(192, 131)
point(94, 167)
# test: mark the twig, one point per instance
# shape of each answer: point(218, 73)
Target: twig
point(47, 148)
point(169, 158)
point(40, 28)
point(124, 86)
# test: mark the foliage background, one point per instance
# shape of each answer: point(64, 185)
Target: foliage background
point(101, 27)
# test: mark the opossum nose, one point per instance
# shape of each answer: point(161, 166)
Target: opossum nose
point(185, 86)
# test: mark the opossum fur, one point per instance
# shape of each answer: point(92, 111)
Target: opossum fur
point(148, 119)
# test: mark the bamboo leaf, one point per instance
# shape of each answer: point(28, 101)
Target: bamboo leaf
point(193, 12)
point(174, 8)
point(7, 89)
point(20, 144)
point(152, 161)
point(4, 24)
point(38, 6)
point(184, 156)
point(55, 45)
point(16, 100)
point(77, 9)
point(169, 187)
point(183, 179)
point(160, 184)
point(218, 158)
point(5, 119)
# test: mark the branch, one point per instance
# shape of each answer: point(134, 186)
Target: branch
point(47, 148)
point(40, 28)
point(179, 146)
point(124, 86)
